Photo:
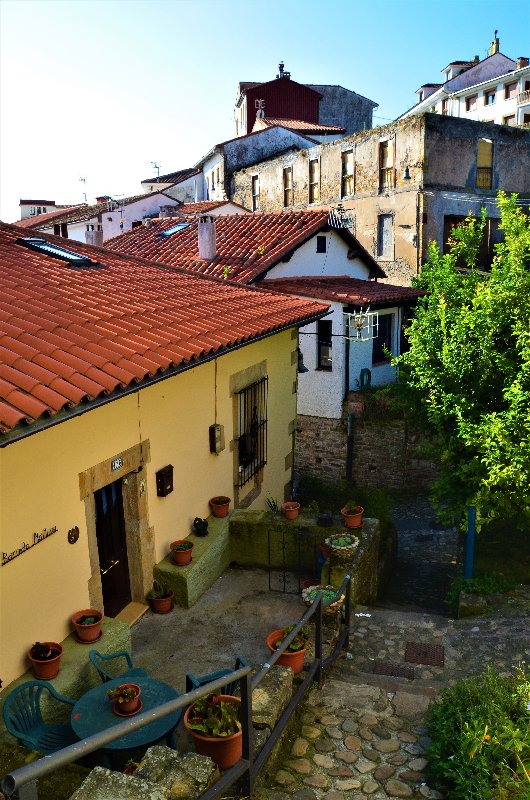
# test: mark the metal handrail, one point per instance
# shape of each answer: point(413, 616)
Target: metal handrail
point(23, 780)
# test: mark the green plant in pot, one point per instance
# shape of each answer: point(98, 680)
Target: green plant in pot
point(219, 505)
point(294, 654)
point(214, 724)
point(353, 514)
point(87, 624)
point(200, 526)
point(181, 551)
point(46, 659)
point(125, 698)
point(343, 545)
point(160, 598)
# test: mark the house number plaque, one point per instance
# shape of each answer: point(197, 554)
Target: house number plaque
point(116, 463)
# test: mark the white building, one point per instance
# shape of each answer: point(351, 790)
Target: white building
point(96, 223)
point(496, 89)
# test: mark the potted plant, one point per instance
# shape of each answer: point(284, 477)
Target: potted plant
point(126, 699)
point(213, 721)
point(294, 656)
point(87, 624)
point(130, 767)
point(219, 505)
point(46, 659)
point(200, 526)
point(343, 545)
point(330, 595)
point(181, 551)
point(160, 599)
point(290, 509)
point(353, 514)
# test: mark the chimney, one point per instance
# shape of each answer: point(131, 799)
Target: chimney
point(494, 46)
point(94, 237)
point(169, 211)
point(282, 73)
point(521, 62)
point(207, 247)
point(102, 199)
point(147, 222)
point(476, 60)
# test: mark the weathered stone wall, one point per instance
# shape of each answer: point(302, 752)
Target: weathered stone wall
point(387, 453)
point(320, 447)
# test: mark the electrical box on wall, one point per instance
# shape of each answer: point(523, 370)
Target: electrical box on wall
point(164, 481)
point(217, 438)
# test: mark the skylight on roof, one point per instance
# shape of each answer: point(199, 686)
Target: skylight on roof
point(174, 229)
point(55, 251)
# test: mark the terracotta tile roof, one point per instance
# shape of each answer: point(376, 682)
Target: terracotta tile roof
point(248, 244)
point(204, 206)
point(343, 289)
point(42, 219)
point(173, 177)
point(84, 212)
point(70, 335)
point(305, 127)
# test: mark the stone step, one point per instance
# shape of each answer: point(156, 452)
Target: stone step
point(163, 774)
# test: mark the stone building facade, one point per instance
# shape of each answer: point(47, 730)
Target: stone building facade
point(403, 184)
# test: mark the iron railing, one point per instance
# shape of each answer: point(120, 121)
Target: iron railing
point(22, 783)
point(484, 175)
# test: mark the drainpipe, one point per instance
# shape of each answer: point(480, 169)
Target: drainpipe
point(349, 439)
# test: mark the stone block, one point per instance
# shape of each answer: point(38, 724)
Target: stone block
point(181, 776)
point(472, 605)
point(102, 784)
point(211, 557)
point(271, 697)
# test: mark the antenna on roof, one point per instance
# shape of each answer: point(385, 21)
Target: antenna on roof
point(83, 180)
point(157, 167)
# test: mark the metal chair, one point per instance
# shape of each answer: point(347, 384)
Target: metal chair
point(99, 660)
point(23, 718)
point(194, 681)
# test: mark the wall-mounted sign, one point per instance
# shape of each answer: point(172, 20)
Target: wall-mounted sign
point(116, 463)
point(73, 535)
point(37, 537)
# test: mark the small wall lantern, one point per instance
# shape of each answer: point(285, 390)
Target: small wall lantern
point(164, 481)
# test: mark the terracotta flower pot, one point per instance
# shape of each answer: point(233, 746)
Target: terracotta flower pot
point(225, 751)
point(290, 509)
point(48, 668)
point(162, 605)
point(128, 706)
point(91, 632)
point(181, 557)
point(219, 509)
point(293, 659)
point(353, 519)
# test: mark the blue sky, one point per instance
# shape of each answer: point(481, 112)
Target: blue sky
point(101, 88)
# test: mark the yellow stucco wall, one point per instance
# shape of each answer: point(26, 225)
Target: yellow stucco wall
point(39, 483)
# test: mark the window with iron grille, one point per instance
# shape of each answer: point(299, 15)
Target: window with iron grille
point(252, 438)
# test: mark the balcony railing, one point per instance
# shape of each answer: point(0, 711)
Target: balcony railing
point(386, 179)
point(523, 97)
point(484, 177)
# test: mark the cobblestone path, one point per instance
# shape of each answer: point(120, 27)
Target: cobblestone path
point(363, 736)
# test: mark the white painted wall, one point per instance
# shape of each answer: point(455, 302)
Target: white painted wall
point(111, 220)
point(320, 392)
point(361, 356)
point(307, 262)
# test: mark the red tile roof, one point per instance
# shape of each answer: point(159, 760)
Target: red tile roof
point(202, 207)
point(41, 219)
point(70, 335)
point(84, 212)
point(305, 127)
point(248, 244)
point(343, 289)
point(173, 177)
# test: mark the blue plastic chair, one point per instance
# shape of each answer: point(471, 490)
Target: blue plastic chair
point(99, 660)
point(23, 718)
point(194, 681)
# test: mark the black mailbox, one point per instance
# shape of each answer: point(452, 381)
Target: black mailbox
point(164, 481)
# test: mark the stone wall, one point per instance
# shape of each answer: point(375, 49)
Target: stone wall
point(387, 453)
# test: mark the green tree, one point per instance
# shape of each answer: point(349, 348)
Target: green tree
point(469, 366)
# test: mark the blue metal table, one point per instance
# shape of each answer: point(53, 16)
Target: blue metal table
point(93, 713)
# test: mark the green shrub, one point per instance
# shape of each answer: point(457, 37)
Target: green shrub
point(480, 730)
point(490, 583)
